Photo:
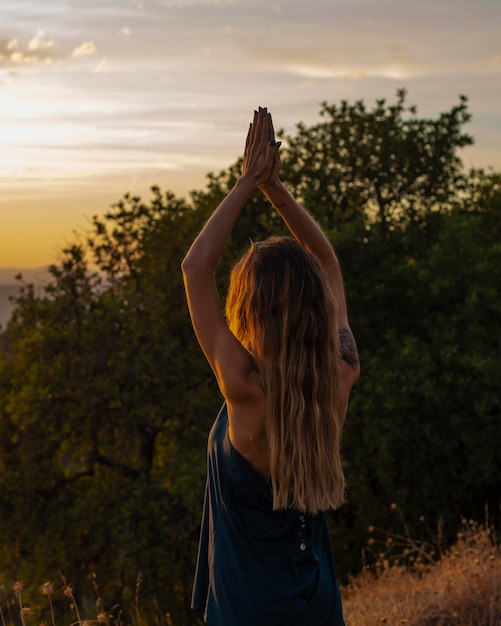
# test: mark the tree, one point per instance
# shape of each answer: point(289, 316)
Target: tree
point(423, 424)
point(385, 166)
point(106, 409)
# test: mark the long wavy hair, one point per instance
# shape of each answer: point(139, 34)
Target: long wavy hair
point(280, 307)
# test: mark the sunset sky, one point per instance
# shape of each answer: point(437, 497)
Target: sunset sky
point(101, 97)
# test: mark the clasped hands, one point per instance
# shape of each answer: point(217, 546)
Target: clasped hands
point(261, 164)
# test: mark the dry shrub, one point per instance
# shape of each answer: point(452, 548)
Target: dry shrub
point(463, 588)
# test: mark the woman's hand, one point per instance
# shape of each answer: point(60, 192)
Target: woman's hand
point(261, 160)
point(276, 167)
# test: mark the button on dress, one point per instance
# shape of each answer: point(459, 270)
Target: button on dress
point(256, 566)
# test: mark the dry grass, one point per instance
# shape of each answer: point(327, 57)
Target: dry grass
point(462, 588)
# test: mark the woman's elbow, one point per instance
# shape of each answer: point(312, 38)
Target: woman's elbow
point(193, 268)
point(188, 264)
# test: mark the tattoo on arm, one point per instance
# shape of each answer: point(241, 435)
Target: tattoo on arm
point(347, 346)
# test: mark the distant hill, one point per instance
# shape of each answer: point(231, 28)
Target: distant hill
point(6, 306)
point(30, 274)
point(9, 286)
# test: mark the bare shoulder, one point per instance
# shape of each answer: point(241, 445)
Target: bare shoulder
point(235, 370)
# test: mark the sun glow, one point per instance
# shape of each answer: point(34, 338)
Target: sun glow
point(39, 128)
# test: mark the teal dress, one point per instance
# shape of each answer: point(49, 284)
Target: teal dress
point(256, 566)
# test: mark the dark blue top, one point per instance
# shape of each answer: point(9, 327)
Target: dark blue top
point(257, 566)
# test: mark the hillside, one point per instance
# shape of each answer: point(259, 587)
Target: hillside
point(462, 588)
point(9, 286)
point(6, 306)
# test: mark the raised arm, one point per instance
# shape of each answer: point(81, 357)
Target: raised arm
point(230, 362)
point(306, 230)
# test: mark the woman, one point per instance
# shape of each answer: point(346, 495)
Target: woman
point(285, 360)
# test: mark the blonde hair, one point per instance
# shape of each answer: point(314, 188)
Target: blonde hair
point(280, 307)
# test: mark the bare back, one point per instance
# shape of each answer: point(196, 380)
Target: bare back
point(247, 430)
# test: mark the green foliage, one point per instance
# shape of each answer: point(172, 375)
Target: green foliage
point(106, 406)
point(423, 427)
point(106, 400)
point(386, 164)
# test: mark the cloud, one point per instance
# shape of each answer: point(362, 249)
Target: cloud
point(39, 49)
point(311, 61)
point(40, 42)
point(100, 67)
point(85, 49)
point(490, 65)
point(14, 52)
